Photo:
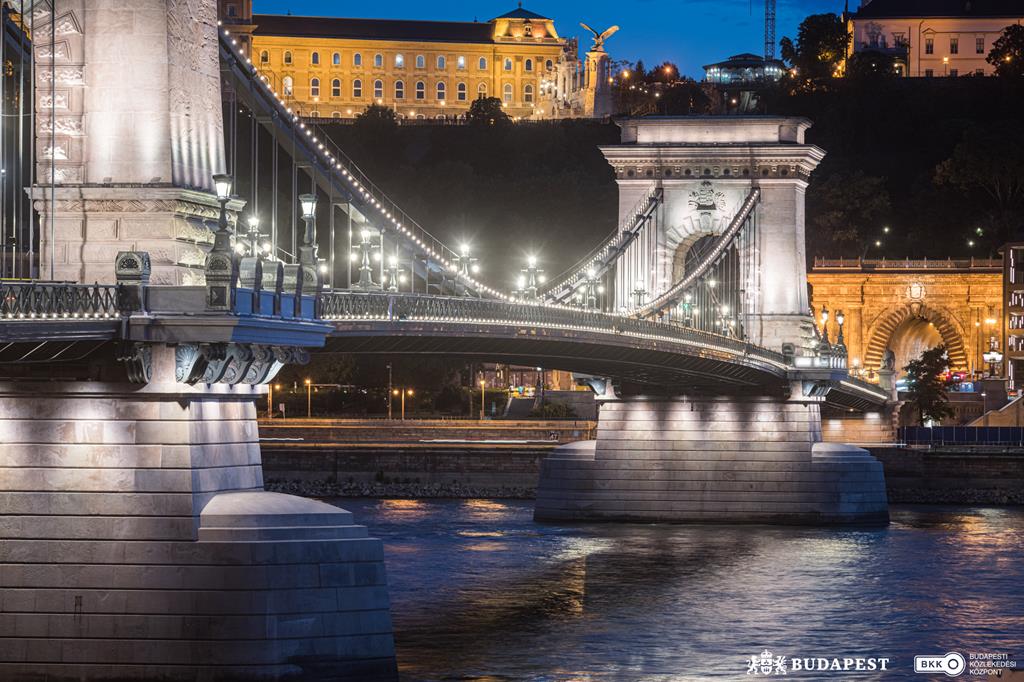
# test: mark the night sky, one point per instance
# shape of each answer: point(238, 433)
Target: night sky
point(690, 33)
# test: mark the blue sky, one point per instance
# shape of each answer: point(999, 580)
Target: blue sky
point(688, 32)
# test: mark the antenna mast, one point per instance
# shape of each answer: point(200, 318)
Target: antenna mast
point(769, 30)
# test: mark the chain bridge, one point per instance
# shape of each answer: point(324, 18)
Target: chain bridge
point(168, 275)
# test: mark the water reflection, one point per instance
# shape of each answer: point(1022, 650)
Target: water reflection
point(480, 591)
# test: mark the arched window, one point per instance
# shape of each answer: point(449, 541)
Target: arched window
point(507, 96)
point(442, 63)
point(357, 59)
point(336, 114)
point(442, 91)
point(378, 60)
point(399, 61)
point(336, 87)
point(528, 93)
point(508, 64)
point(528, 65)
point(481, 91)
point(287, 56)
point(264, 57)
point(460, 62)
point(528, 29)
point(314, 87)
point(399, 89)
point(287, 85)
point(549, 65)
point(421, 90)
point(482, 64)
point(357, 88)
point(421, 62)
point(460, 92)
point(336, 61)
point(314, 58)
point(378, 88)
point(314, 114)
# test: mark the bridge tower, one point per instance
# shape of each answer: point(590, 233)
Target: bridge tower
point(728, 233)
point(707, 168)
point(128, 131)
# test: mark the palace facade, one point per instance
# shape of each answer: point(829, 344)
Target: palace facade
point(936, 38)
point(329, 67)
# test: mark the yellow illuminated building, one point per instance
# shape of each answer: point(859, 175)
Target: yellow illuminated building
point(335, 67)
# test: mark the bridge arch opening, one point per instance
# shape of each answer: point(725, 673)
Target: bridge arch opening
point(912, 330)
point(714, 302)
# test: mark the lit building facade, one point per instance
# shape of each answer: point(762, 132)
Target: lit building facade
point(908, 306)
point(934, 39)
point(335, 67)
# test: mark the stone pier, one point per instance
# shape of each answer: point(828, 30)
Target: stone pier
point(709, 459)
point(136, 541)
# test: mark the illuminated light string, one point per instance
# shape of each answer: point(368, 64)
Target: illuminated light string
point(446, 262)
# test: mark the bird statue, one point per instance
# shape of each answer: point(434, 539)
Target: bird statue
point(599, 38)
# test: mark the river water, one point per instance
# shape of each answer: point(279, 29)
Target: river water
point(479, 591)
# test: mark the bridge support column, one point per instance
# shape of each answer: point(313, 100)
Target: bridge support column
point(136, 542)
point(733, 460)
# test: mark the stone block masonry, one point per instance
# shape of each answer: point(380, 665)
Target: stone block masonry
point(136, 541)
point(733, 460)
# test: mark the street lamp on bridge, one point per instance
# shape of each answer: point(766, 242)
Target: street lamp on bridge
point(532, 276)
point(307, 252)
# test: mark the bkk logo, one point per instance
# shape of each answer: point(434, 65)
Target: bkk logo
point(767, 664)
point(952, 664)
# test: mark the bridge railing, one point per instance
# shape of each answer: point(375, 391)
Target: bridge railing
point(58, 300)
point(350, 305)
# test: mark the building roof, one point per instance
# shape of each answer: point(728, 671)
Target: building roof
point(745, 60)
point(373, 29)
point(940, 8)
point(521, 13)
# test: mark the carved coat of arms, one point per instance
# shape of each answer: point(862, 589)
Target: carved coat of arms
point(706, 201)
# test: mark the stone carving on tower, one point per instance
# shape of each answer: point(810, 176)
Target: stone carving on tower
point(126, 155)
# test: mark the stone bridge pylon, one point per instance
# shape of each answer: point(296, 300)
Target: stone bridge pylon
point(723, 251)
point(128, 135)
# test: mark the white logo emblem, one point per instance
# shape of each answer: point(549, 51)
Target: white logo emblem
point(766, 664)
point(952, 664)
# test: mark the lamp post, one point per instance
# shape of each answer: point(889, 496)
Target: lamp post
point(467, 264)
point(270, 399)
point(639, 293)
point(221, 266)
point(591, 289)
point(824, 323)
point(532, 276)
point(389, 391)
point(393, 274)
point(483, 396)
point(366, 247)
point(307, 253)
point(309, 398)
point(840, 347)
point(402, 392)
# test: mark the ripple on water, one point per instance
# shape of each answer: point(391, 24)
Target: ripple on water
point(482, 592)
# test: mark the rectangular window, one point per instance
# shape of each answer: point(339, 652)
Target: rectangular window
point(928, 73)
point(979, 72)
point(954, 46)
point(460, 61)
point(953, 73)
point(929, 45)
point(979, 45)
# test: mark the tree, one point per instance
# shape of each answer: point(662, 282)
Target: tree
point(821, 43)
point(487, 111)
point(926, 392)
point(1007, 54)
point(376, 121)
point(846, 211)
point(871, 64)
point(990, 159)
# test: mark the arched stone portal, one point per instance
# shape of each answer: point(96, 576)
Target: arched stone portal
point(910, 305)
point(911, 330)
